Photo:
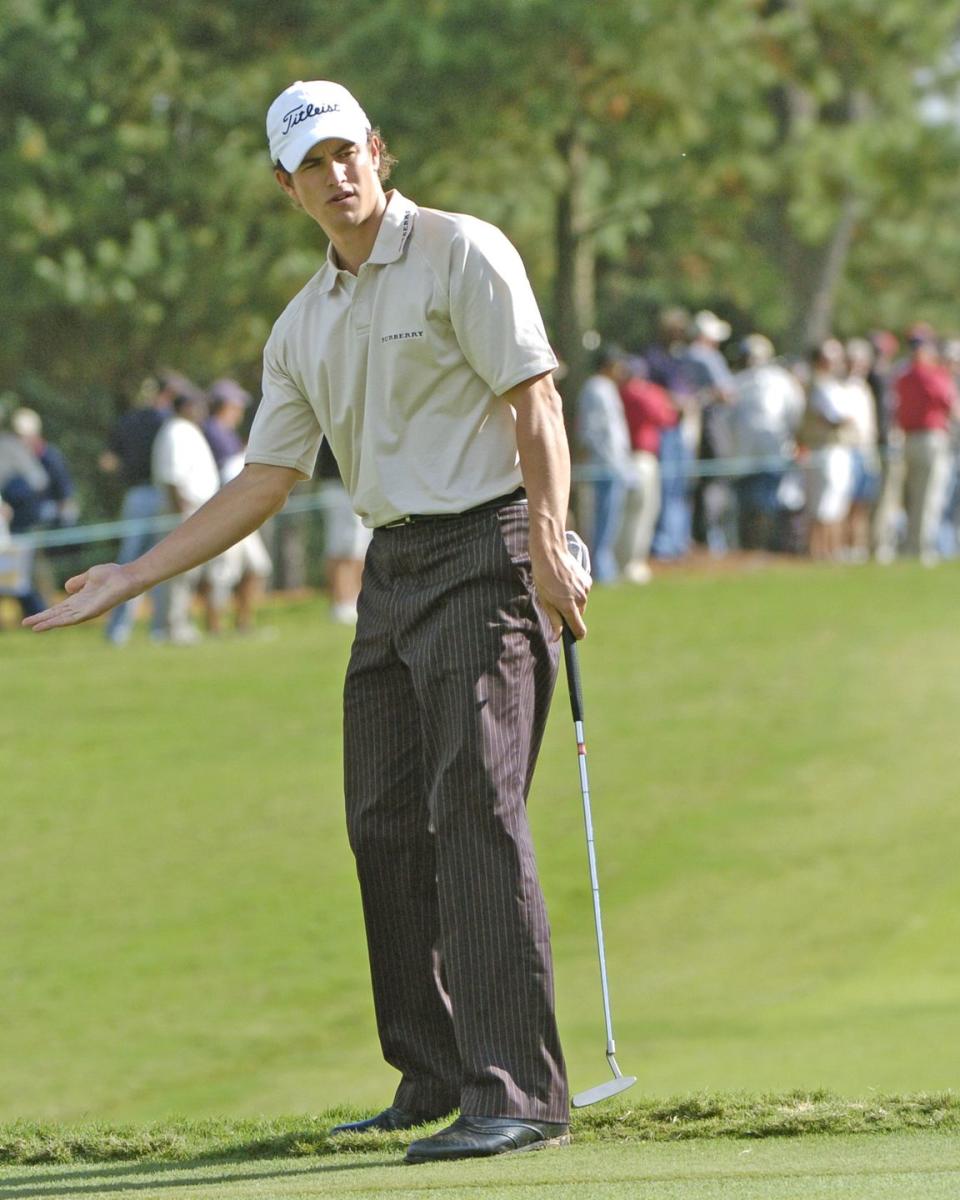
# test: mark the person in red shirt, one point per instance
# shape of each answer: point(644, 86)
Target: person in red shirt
point(649, 409)
point(926, 401)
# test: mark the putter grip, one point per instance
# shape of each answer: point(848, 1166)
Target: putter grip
point(571, 660)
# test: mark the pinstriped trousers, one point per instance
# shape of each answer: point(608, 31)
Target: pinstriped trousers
point(445, 702)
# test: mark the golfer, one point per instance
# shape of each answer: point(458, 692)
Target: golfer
point(418, 352)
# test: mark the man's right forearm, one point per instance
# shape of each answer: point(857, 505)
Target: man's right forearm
point(237, 509)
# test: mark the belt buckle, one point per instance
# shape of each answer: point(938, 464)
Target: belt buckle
point(399, 522)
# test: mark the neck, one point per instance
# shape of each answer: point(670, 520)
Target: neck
point(354, 246)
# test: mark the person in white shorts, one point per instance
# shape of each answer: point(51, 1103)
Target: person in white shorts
point(241, 571)
point(184, 469)
point(345, 542)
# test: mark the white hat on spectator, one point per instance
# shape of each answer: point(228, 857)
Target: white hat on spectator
point(26, 423)
point(758, 349)
point(708, 325)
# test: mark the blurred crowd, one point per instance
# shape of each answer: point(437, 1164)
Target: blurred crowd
point(850, 453)
point(693, 441)
point(173, 448)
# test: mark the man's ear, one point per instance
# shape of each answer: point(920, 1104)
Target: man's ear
point(285, 181)
point(375, 146)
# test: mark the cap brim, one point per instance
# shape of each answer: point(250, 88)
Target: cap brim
point(297, 148)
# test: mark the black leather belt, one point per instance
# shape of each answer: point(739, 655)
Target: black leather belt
point(513, 497)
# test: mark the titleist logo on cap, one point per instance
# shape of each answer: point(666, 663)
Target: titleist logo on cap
point(303, 112)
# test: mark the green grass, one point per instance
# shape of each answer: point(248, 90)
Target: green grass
point(773, 767)
point(913, 1166)
point(29, 1143)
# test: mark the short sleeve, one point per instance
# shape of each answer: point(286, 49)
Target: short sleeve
point(493, 310)
point(285, 431)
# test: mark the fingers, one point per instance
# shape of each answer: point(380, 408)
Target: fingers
point(52, 618)
point(575, 623)
point(570, 615)
point(76, 582)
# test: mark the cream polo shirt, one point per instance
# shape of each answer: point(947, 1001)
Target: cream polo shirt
point(401, 367)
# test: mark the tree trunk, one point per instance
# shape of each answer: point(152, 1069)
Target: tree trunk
point(574, 303)
point(816, 316)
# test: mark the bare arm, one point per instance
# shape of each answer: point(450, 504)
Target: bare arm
point(561, 583)
point(237, 509)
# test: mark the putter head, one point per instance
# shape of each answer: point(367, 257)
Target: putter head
point(603, 1091)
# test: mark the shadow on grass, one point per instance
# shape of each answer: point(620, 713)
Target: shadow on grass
point(122, 1178)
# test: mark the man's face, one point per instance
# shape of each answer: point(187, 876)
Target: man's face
point(337, 184)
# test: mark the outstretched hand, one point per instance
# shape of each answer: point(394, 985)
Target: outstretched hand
point(93, 592)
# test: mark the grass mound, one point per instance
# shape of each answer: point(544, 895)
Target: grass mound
point(706, 1116)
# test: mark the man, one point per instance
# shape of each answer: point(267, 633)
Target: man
point(829, 463)
point(649, 410)
point(185, 472)
point(713, 503)
point(668, 367)
point(345, 541)
point(418, 352)
point(604, 443)
point(23, 481)
point(129, 455)
point(926, 401)
point(58, 504)
point(767, 408)
point(242, 570)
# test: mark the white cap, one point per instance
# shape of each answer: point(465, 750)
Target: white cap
point(709, 325)
point(306, 113)
point(26, 423)
point(758, 349)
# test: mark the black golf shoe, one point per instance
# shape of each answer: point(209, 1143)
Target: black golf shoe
point(480, 1137)
point(391, 1120)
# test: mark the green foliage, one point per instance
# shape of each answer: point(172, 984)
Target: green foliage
point(638, 153)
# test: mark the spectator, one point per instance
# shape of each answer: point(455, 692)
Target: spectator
point(950, 523)
point(889, 507)
point(23, 480)
point(185, 470)
point(766, 411)
point(241, 571)
point(649, 410)
point(129, 455)
point(713, 503)
point(829, 465)
point(346, 539)
point(57, 500)
point(667, 367)
point(604, 443)
point(926, 399)
point(861, 436)
point(16, 566)
point(55, 506)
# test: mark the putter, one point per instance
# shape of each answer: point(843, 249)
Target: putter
point(620, 1082)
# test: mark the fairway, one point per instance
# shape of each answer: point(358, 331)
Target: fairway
point(894, 1167)
point(774, 775)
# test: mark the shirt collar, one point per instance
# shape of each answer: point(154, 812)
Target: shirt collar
point(396, 225)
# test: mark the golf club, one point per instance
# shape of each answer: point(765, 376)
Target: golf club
point(620, 1082)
